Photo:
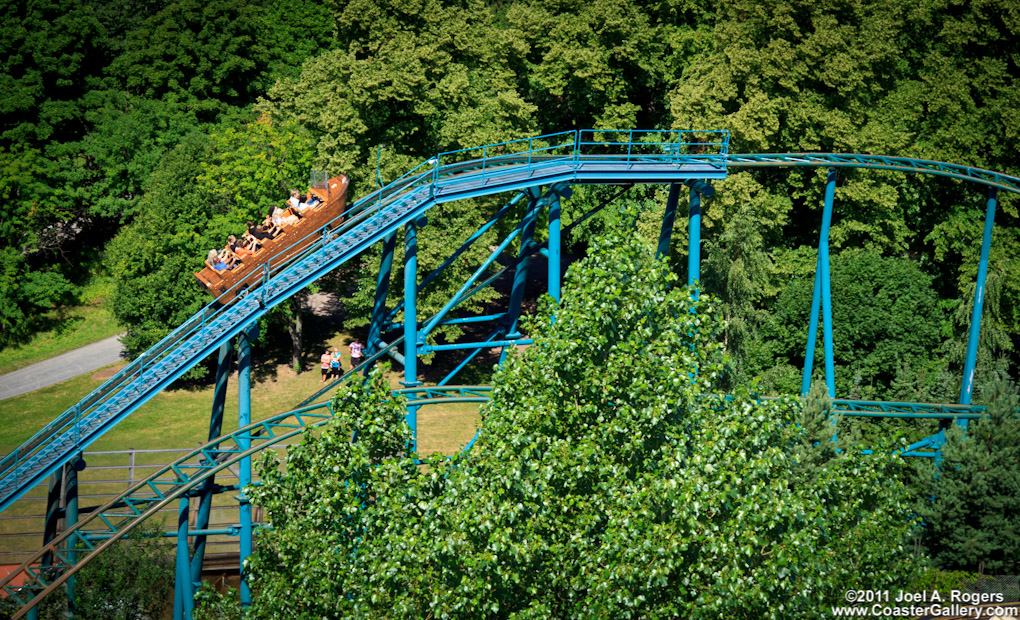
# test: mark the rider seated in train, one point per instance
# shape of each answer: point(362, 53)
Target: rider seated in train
point(260, 233)
point(300, 206)
point(250, 242)
point(227, 256)
point(215, 263)
point(295, 201)
point(282, 217)
point(239, 249)
point(270, 226)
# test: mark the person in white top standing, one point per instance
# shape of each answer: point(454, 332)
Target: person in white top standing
point(356, 349)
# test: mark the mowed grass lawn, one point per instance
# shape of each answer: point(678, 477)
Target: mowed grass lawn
point(74, 327)
point(179, 419)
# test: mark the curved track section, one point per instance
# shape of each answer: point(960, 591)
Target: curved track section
point(77, 546)
point(876, 162)
point(648, 157)
point(585, 157)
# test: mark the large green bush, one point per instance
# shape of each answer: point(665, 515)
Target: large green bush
point(611, 479)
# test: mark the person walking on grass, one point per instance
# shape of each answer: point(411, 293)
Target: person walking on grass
point(324, 360)
point(356, 349)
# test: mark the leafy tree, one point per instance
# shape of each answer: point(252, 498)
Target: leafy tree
point(25, 295)
point(391, 81)
point(254, 166)
point(131, 580)
point(590, 64)
point(611, 479)
point(94, 95)
point(27, 289)
point(884, 315)
point(419, 78)
point(971, 518)
point(203, 191)
point(878, 77)
point(205, 54)
point(161, 249)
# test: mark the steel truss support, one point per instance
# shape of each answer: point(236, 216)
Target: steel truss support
point(184, 594)
point(694, 243)
point(555, 251)
point(411, 323)
point(974, 336)
point(53, 498)
point(509, 325)
point(70, 518)
point(244, 340)
point(453, 373)
point(188, 573)
point(414, 336)
point(387, 324)
point(382, 287)
point(822, 296)
point(526, 230)
point(63, 491)
point(461, 293)
point(485, 344)
point(205, 494)
point(668, 219)
point(698, 189)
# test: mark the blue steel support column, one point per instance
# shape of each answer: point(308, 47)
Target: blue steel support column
point(694, 243)
point(979, 301)
point(668, 219)
point(244, 442)
point(521, 270)
point(50, 524)
point(411, 323)
point(56, 490)
point(223, 363)
point(382, 287)
point(812, 335)
point(823, 265)
point(70, 517)
point(554, 245)
point(184, 595)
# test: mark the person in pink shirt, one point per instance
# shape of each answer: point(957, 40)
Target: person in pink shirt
point(324, 359)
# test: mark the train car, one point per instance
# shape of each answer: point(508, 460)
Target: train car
point(226, 285)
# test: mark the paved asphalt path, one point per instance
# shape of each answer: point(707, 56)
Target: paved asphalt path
point(61, 368)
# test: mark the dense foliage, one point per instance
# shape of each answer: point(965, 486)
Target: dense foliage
point(612, 479)
point(974, 524)
point(134, 136)
point(132, 580)
point(88, 149)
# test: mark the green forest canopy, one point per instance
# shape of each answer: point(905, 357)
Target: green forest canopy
point(130, 142)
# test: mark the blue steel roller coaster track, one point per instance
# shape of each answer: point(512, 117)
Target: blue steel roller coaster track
point(555, 161)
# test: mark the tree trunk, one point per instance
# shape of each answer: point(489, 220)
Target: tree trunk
point(295, 329)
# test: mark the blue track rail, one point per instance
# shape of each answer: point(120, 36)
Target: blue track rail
point(82, 541)
point(581, 157)
point(570, 157)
